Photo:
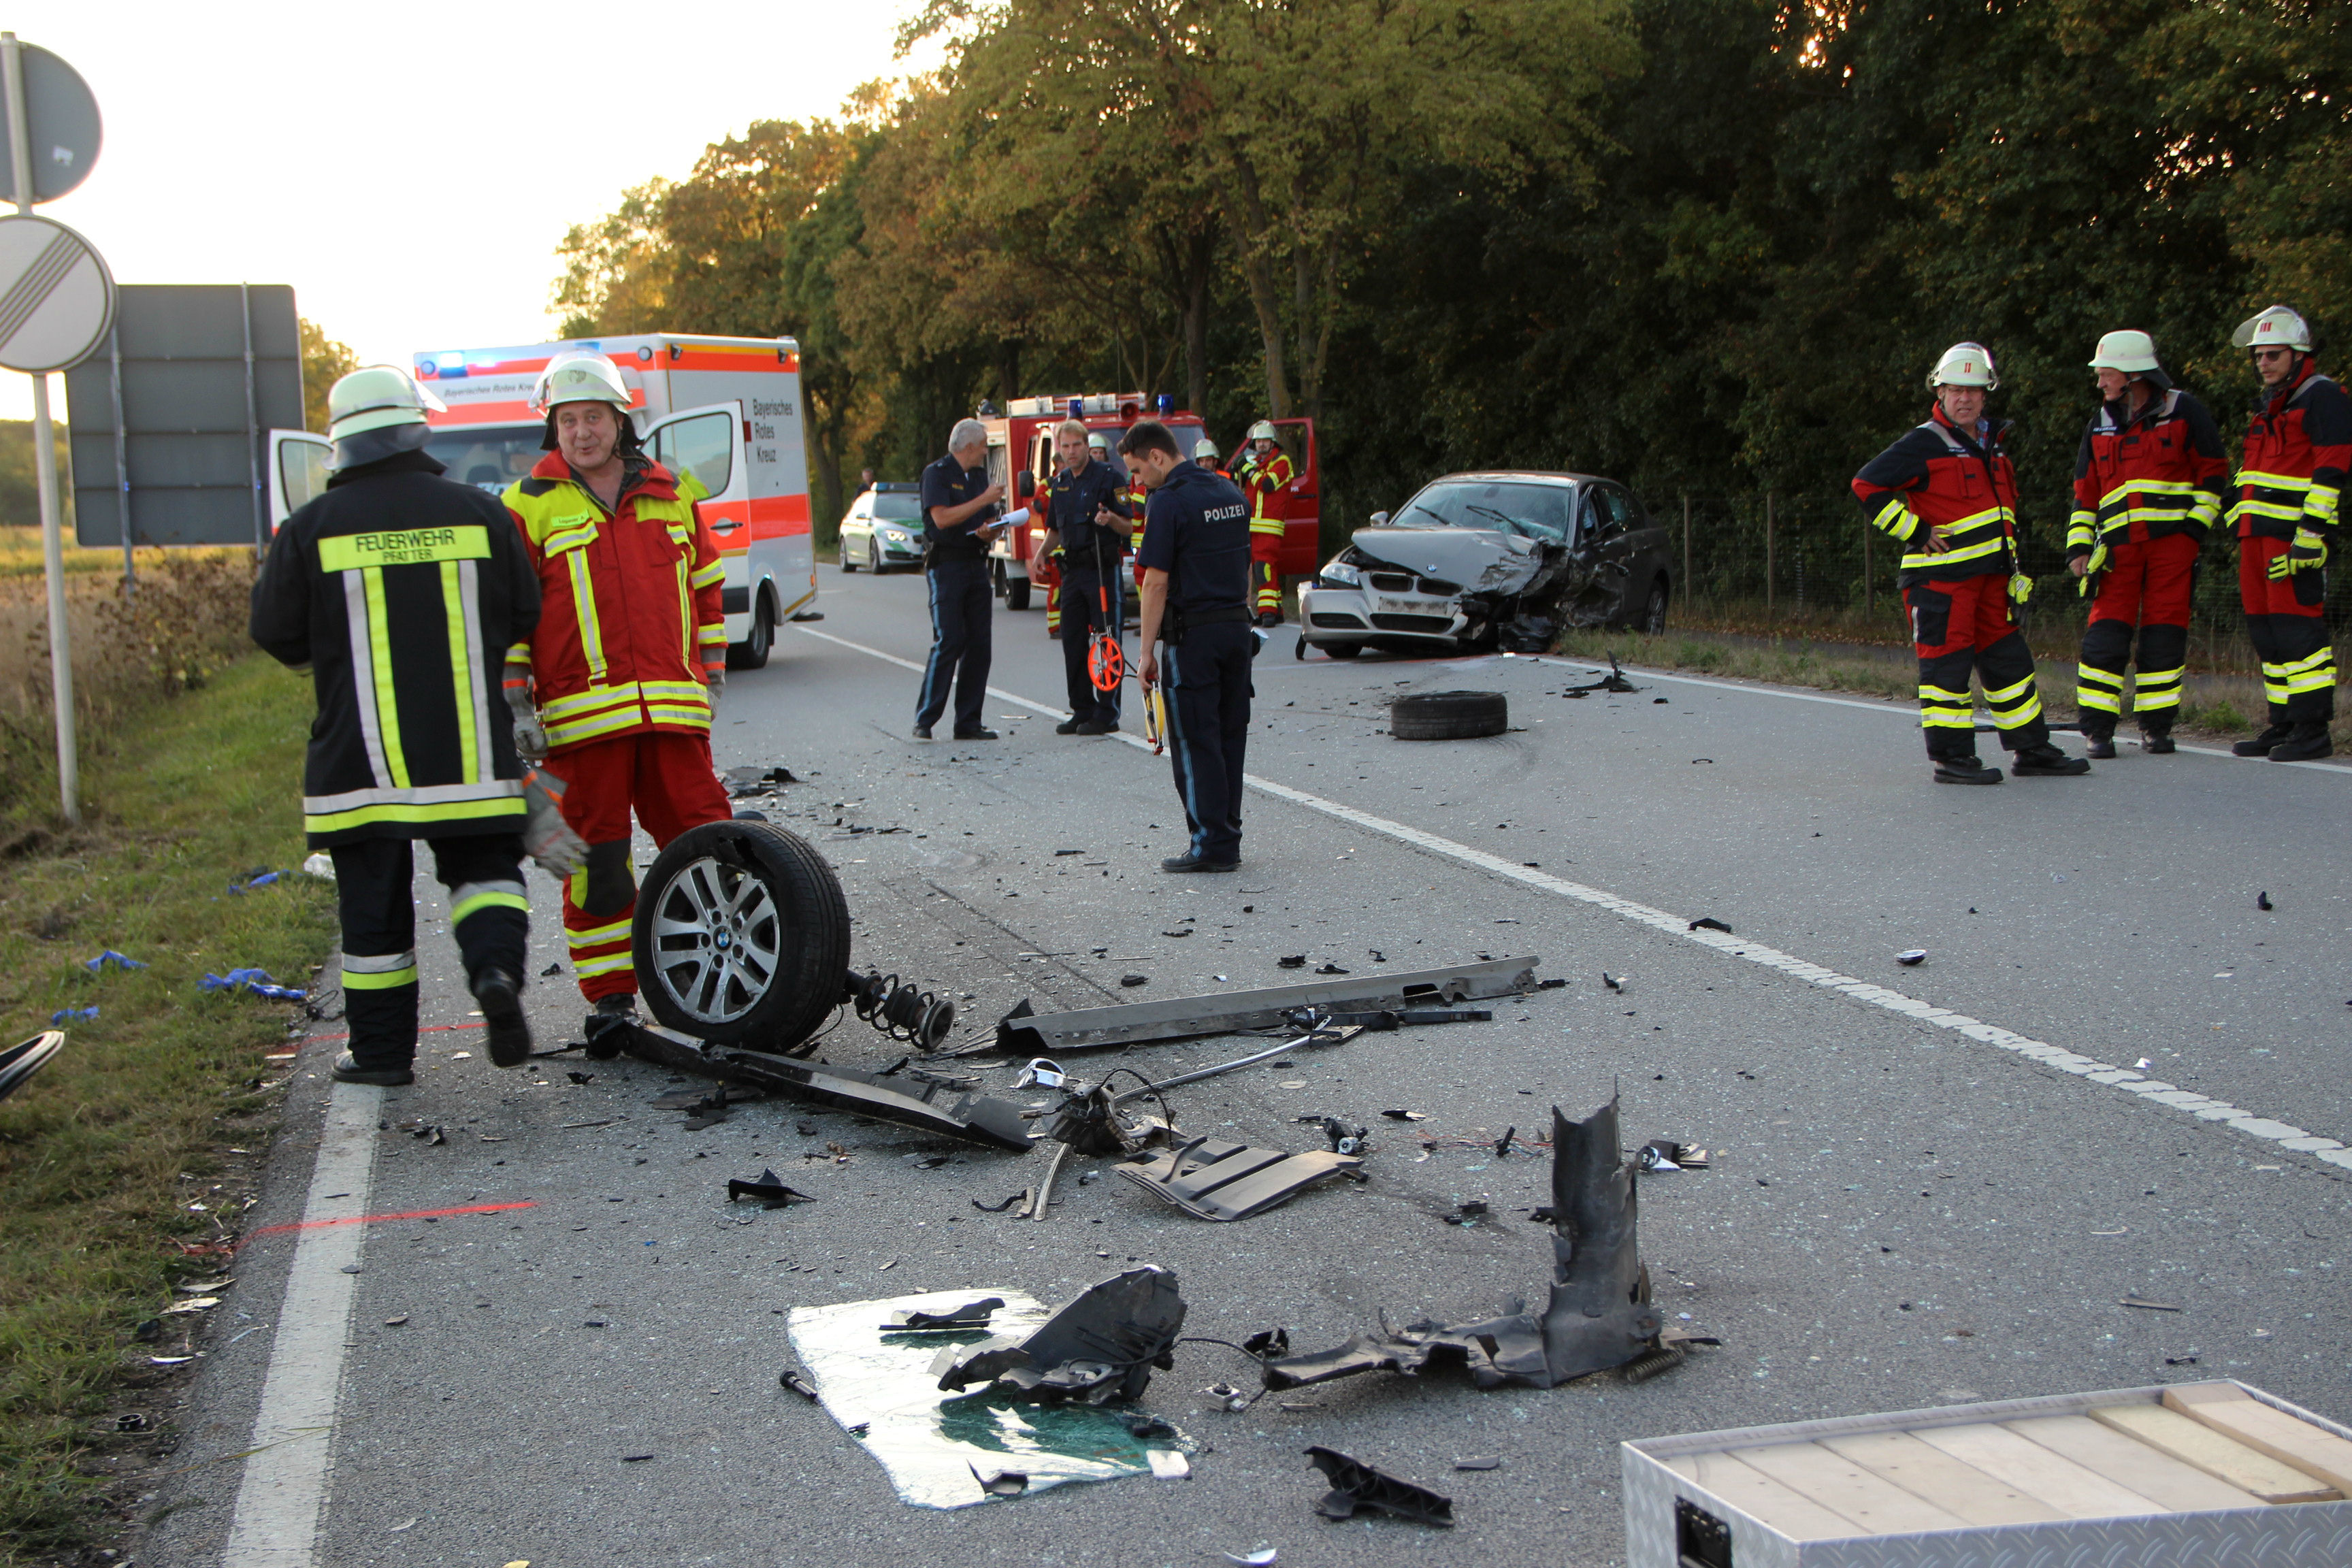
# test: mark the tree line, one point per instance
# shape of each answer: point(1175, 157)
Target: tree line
point(1702, 245)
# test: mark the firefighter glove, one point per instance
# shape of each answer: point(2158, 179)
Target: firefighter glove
point(546, 836)
point(714, 676)
point(2307, 553)
point(529, 736)
point(2021, 586)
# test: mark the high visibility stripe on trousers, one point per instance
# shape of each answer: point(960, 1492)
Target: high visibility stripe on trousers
point(601, 948)
point(1941, 707)
point(2314, 673)
point(379, 972)
point(2103, 690)
point(2156, 690)
point(2013, 705)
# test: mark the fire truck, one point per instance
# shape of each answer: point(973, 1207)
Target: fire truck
point(1021, 443)
point(724, 411)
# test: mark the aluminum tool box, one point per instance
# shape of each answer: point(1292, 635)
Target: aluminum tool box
point(2207, 1475)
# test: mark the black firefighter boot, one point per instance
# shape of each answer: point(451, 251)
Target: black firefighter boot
point(2307, 744)
point(2260, 746)
point(2156, 733)
point(2099, 737)
point(2046, 760)
point(1963, 770)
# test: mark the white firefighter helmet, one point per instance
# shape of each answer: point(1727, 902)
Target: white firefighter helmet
point(580, 377)
point(2132, 352)
point(374, 398)
point(1098, 441)
point(1262, 431)
point(1965, 364)
point(2278, 327)
point(1205, 452)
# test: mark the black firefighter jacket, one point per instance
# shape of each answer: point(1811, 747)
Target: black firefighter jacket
point(401, 591)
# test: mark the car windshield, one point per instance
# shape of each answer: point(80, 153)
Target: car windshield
point(489, 457)
point(896, 505)
point(1512, 506)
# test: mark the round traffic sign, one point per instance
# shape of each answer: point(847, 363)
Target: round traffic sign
point(62, 115)
point(56, 297)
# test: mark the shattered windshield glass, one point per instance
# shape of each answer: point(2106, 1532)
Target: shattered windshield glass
point(1514, 506)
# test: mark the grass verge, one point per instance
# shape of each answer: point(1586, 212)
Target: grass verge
point(107, 1154)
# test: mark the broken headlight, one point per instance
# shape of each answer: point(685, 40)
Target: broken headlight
point(1338, 573)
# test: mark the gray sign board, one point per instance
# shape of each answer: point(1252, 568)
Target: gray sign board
point(193, 379)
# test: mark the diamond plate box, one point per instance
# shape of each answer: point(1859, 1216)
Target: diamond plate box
point(2208, 1475)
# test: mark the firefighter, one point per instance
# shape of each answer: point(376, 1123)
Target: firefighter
point(1044, 571)
point(2284, 501)
point(1266, 481)
point(399, 591)
point(2147, 488)
point(628, 662)
point(1946, 490)
point(1089, 533)
point(1196, 598)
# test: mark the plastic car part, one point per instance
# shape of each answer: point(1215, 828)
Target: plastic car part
point(1598, 1315)
point(1101, 1346)
point(967, 1315)
point(908, 1100)
point(1024, 1032)
point(769, 1189)
point(1221, 1181)
point(25, 1057)
point(1356, 1485)
point(742, 936)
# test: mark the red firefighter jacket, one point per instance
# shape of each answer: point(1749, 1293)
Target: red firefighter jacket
point(2141, 478)
point(632, 617)
point(2298, 451)
point(1938, 478)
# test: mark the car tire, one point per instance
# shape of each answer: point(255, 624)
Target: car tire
point(752, 652)
point(1651, 619)
point(1341, 650)
point(741, 937)
point(1449, 715)
point(1016, 593)
point(874, 556)
point(841, 549)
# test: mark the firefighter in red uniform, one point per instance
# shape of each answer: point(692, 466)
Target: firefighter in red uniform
point(628, 660)
point(1267, 479)
point(1044, 571)
point(2147, 489)
point(1946, 492)
point(2284, 501)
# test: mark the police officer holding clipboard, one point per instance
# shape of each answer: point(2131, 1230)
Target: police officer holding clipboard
point(1196, 600)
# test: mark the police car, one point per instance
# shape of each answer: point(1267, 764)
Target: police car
point(884, 527)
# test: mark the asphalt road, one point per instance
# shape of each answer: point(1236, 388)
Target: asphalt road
point(1903, 1211)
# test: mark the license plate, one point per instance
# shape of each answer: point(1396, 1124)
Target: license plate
point(1408, 607)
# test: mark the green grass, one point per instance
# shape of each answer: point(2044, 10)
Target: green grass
point(102, 1153)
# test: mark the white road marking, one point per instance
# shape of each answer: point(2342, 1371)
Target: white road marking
point(284, 1491)
point(2153, 1091)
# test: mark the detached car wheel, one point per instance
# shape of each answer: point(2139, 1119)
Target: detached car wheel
point(1449, 715)
point(1341, 650)
point(741, 937)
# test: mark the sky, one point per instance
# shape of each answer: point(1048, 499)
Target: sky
point(410, 170)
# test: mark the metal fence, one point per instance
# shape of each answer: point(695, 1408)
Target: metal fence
point(1809, 565)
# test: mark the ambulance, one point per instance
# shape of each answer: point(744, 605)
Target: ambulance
point(725, 411)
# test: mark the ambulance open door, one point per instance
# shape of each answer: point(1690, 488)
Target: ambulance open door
point(300, 463)
point(706, 445)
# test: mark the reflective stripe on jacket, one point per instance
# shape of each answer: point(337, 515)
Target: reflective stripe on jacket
point(2298, 450)
point(1937, 480)
point(1268, 485)
point(634, 614)
point(401, 591)
point(2141, 478)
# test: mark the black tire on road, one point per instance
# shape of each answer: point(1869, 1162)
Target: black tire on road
point(1341, 650)
point(1652, 619)
point(841, 553)
point(752, 652)
point(1016, 593)
point(741, 937)
point(874, 556)
point(1449, 715)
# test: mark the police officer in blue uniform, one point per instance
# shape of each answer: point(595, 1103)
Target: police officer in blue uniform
point(959, 520)
point(1091, 530)
point(1196, 599)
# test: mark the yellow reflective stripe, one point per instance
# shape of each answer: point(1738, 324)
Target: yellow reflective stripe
point(711, 635)
point(2320, 502)
point(1896, 519)
point(675, 690)
point(390, 979)
point(692, 718)
point(1940, 694)
point(2324, 659)
point(404, 547)
point(2274, 481)
point(583, 604)
point(596, 934)
point(2148, 486)
point(387, 700)
point(589, 729)
point(584, 701)
point(685, 614)
point(2023, 713)
point(463, 676)
point(410, 812)
point(378, 962)
point(488, 899)
point(611, 963)
point(559, 539)
point(1952, 557)
point(2009, 693)
point(714, 572)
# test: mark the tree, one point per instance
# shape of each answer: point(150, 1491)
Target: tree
point(324, 363)
point(616, 270)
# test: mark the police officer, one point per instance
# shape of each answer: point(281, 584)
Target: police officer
point(399, 591)
point(1196, 599)
point(1090, 531)
point(959, 520)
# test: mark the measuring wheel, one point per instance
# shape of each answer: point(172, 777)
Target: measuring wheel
point(741, 937)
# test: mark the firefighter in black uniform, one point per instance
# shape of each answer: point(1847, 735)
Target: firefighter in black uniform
point(399, 591)
point(1196, 599)
point(1089, 535)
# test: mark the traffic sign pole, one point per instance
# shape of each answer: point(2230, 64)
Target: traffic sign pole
point(45, 465)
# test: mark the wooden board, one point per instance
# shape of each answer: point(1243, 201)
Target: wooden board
point(1753, 1492)
point(2227, 1409)
point(2215, 1453)
point(2036, 1471)
point(1846, 1489)
point(1961, 1490)
point(2128, 1462)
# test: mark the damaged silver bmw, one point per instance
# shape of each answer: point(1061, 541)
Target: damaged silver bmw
point(1503, 560)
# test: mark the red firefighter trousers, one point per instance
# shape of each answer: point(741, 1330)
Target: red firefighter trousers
point(2286, 622)
point(2145, 588)
point(668, 781)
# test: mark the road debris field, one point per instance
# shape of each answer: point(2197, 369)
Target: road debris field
point(615, 1313)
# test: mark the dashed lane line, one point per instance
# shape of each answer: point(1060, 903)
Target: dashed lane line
point(2153, 1091)
point(284, 1490)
